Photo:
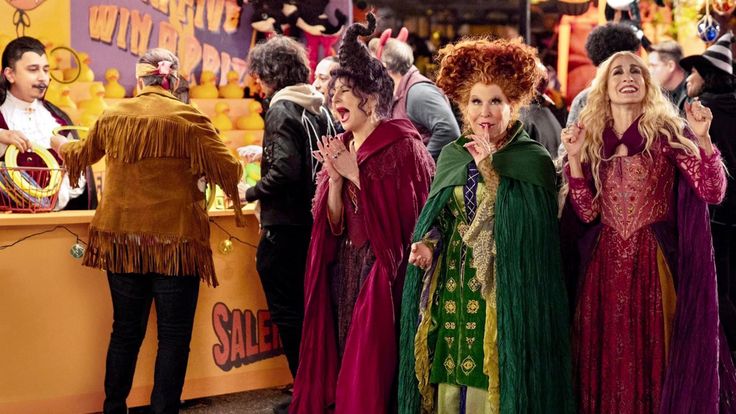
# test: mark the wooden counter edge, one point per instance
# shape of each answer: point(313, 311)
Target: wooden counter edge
point(80, 217)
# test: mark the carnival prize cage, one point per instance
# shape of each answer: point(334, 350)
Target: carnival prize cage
point(30, 181)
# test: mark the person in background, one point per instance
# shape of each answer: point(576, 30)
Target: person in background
point(253, 153)
point(375, 179)
point(553, 93)
point(151, 230)
point(602, 42)
point(484, 318)
point(641, 178)
point(322, 75)
point(322, 78)
point(27, 119)
point(711, 82)
point(664, 63)
point(295, 120)
point(417, 98)
point(539, 121)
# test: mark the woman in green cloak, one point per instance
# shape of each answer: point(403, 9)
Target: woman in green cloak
point(484, 319)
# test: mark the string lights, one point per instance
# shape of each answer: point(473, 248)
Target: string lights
point(226, 245)
point(78, 248)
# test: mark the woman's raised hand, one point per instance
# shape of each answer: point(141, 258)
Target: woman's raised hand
point(420, 255)
point(572, 138)
point(345, 161)
point(699, 119)
point(325, 155)
point(481, 146)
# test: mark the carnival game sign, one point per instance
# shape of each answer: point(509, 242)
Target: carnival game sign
point(244, 336)
point(212, 35)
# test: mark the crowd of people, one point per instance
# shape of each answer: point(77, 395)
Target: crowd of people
point(414, 262)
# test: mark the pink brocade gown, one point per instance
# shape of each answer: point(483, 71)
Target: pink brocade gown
point(626, 298)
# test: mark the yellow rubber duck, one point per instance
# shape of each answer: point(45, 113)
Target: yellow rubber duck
point(253, 120)
point(55, 60)
point(55, 71)
point(85, 72)
point(113, 88)
point(252, 139)
point(87, 75)
point(96, 104)
point(231, 90)
point(221, 120)
point(206, 88)
point(65, 101)
point(53, 93)
point(86, 119)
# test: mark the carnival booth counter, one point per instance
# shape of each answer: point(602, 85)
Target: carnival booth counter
point(56, 318)
point(56, 315)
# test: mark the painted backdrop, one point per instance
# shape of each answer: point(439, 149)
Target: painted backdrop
point(206, 34)
point(212, 35)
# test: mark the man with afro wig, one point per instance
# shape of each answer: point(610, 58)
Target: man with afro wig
point(601, 44)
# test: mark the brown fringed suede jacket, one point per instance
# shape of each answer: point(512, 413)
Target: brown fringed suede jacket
point(152, 215)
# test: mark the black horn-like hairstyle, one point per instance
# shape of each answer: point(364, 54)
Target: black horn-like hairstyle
point(365, 74)
point(352, 51)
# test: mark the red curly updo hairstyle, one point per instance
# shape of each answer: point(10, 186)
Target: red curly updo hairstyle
point(510, 64)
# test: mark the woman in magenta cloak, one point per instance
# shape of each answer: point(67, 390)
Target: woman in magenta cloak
point(646, 333)
point(374, 182)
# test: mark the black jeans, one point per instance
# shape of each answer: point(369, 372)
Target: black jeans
point(176, 301)
point(280, 261)
point(724, 246)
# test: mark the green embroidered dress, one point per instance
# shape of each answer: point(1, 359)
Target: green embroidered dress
point(459, 307)
point(491, 314)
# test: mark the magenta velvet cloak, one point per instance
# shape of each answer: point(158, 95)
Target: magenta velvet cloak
point(395, 175)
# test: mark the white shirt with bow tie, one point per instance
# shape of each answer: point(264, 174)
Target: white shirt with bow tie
point(37, 124)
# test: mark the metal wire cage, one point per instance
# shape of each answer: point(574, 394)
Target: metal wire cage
point(29, 189)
